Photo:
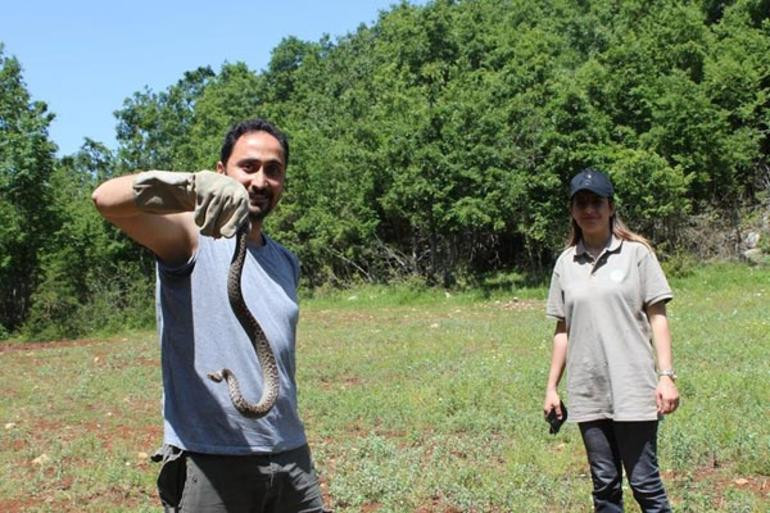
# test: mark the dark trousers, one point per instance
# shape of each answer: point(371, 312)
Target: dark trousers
point(283, 482)
point(612, 446)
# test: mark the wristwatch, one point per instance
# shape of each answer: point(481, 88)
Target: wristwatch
point(667, 372)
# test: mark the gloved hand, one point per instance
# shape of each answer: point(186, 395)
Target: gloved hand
point(220, 204)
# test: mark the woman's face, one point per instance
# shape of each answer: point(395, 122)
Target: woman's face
point(592, 213)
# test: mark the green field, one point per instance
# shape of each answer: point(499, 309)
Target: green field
point(414, 401)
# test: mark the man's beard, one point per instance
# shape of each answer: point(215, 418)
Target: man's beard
point(261, 213)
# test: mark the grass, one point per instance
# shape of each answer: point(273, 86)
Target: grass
point(414, 401)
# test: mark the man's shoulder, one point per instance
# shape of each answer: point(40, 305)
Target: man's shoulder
point(277, 246)
point(284, 256)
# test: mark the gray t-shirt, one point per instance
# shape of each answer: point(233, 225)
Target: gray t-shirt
point(200, 334)
point(610, 358)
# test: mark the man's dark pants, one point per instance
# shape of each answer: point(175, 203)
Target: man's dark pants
point(284, 482)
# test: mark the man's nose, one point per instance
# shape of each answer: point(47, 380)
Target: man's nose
point(258, 179)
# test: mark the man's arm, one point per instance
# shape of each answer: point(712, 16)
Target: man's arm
point(172, 237)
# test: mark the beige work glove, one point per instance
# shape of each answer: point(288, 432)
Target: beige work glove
point(220, 204)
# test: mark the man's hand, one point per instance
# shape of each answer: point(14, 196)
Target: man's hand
point(220, 204)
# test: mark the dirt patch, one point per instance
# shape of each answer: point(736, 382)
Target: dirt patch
point(15, 506)
point(142, 361)
point(9, 347)
point(723, 479)
point(340, 382)
point(519, 305)
point(437, 505)
point(144, 438)
point(333, 317)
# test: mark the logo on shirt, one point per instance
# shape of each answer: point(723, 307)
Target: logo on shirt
point(617, 275)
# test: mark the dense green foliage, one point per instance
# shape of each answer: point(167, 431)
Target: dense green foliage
point(437, 143)
point(27, 212)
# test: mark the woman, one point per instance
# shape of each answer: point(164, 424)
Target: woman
point(608, 296)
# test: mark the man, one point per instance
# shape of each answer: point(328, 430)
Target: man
point(215, 459)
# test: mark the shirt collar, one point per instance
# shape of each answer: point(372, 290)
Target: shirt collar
point(613, 246)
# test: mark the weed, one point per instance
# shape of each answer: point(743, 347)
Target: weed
point(413, 400)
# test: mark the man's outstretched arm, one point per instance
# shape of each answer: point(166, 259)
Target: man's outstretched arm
point(160, 209)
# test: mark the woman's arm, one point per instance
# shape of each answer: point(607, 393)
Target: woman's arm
point(558, 359)
point(666, 394)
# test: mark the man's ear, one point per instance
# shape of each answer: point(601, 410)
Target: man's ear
point(221, 168)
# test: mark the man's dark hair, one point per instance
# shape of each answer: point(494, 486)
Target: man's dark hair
point(248, 126)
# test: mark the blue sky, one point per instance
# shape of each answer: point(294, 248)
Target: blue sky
point(84, 57)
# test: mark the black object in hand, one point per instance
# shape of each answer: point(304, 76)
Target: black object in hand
point(554, 421)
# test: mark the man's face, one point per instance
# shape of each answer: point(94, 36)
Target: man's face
point(257, 161)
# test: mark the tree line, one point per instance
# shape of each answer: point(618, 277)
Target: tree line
point(437, 143)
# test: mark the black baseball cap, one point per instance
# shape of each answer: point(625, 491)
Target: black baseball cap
point(592, 180)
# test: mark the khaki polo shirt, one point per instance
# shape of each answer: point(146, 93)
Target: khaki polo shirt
point(610, 357)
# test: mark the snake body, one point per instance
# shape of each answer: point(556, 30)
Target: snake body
point(270, 380)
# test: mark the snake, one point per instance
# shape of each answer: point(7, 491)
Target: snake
point(265, 356)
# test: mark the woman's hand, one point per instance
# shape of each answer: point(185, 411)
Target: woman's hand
point(666, 395)
point(552, 402)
